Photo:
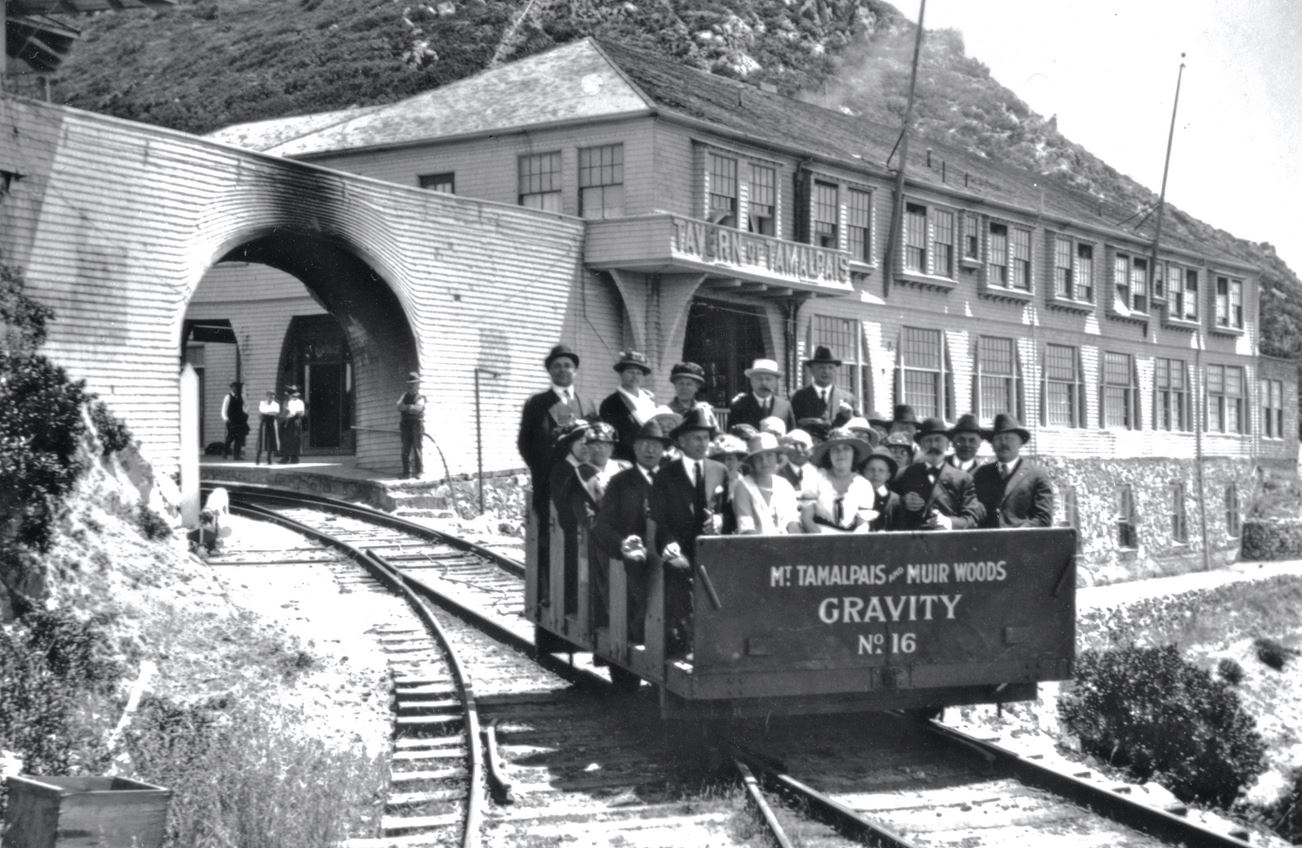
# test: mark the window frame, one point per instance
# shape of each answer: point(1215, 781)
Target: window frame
point(1009, 260)
point(941, 377)
point(1130, 292)
point(1179, 512)
point(825, 232)
point(859, 233)
point(722, 189)
point(1272, 407)
point(1012, 379)
point(1075, 388)
point(613, 171)
point(845, 336)
point(1079, 276)
point(1227, 316)
point(1127, 518)
point(769, 188)
point(1172, 411)
point(970, 239)
point(433, 182)
point(1179, 299)
point(1110, 363)
point(1221, 403)
point(550, 182)
point(1233, 515)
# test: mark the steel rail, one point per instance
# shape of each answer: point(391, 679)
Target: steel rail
point(756, 796)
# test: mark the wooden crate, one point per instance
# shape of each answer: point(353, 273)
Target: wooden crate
point(80, 812)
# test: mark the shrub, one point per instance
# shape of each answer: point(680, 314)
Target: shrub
point(112, 431)
point(1272, 538)
point(1230, 671)
point(1285, 815)
point(1160, 717)
point(152, 525)
point(1271, 653)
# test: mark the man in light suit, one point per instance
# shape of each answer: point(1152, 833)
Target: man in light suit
point(934, 495)
point(544, 414)
point(688, 499)
point(1014, 492)
point(762, 400)
point(822, 398)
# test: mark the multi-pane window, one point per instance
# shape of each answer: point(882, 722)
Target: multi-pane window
point(845, 338)
point(1127, 517)
point(1226, 404)
point(996, 365)
point(859, 220)
point(1233, 521)
point(1170, 394)
point(915, 238)
point(971, 237)
point(723, 189)
point(826, 215)
point(1118, 391)
point(1064, 270)
point(761, 212)
point(1272, 409)
point(444, 183)
point(1229, 303)
point(1008, 257)
point(923, 378)
point(601, 181)
point(1020, 247)
point(1179, 513)
point(1130, 283)
point(1085, 272)
point(1182, 293)
point(540, 181)
point(997, 273)
point(942, 255)
point(1062, 398)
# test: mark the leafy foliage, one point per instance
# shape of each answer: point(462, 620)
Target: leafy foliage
point(1160, 717)
point(151, 524)
point(1285, 816)
point(1230, 671)
point(112, 431)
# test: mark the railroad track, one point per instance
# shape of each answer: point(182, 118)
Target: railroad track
point(568, 757)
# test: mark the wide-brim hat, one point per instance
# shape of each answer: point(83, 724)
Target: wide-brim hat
point(773, 424)
point(697, 418)
point(633, 359)
point(726, 445)
point(600, 431)
point(885, 455)
point(557, 352)
point(743, 431)
point(860, 425)
point(1005, 423)
point(797, 436)
point(570, 433)
point(687, 369)
point(762, 443)
point(841, 436)
point(967, 423)
point(904, 414)
point(931, 427)
point(818, 428)
point(764, 366)
point(652, 430)
point(822, 356)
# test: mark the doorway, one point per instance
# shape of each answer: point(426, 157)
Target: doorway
point(724, 339)
point(316, 356)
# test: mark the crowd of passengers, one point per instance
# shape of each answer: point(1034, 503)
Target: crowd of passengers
point(811, 463)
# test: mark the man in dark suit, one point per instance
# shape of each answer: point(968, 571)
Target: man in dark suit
point(688, 499)
point(822, 398)
point(628, 406)
point(1013, 491)
point(965, 436)
point(934, 495)
point(544, 414)
point(762, 400)
point(619, 530)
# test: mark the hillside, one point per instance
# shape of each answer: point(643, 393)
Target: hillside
point(211, 63)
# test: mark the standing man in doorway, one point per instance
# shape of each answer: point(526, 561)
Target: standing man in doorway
point(823, 399)
point(237, 421)
point(411, 425)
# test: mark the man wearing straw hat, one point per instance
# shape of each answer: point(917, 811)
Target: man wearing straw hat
point(411, 426)
point(762, 400)
point(1014, 491)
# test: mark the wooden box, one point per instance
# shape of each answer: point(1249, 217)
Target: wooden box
point(80, 812)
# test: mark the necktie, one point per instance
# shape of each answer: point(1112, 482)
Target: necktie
point(1003, 471)
point(699, 494)
point(768, 404)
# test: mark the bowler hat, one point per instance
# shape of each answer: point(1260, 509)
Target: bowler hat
point(885, 455)
point(764, 366)
point(697, 418)
point(967, 423)
point(931, 427)
point(687, 369)
point(1007, 423)
point(904, 415)
point(840, 436)
point(823, 356)
point(632, 359)
point(559, 351)
point(652, 430)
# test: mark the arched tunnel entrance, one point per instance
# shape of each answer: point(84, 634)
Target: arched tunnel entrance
point(292, 309)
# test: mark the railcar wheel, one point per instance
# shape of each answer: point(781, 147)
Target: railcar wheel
point(624, 680)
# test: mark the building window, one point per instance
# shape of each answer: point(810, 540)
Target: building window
point(540, 181)
point(1272, 408)
point(942, 255)
point(761, 215)
point(601, 181)
point(1127, 518)
point(997, 385)
point(1229, 303)
point(1225, 399)
point(1170, 394)
point(998, 265)
point(1020, 242)
point(922, 378)
point(1063, 397)
point(1119, 391)
point(971, 238)
point(445, 183)
point(1085, 273)
point(723, 190)
point(1070, 507)
point(1182, 293)
point(845, 338)
point(826, 215)
point(1179, 514)
point(1009, 257)
point(915, 238)
point(1129, 284)
point(1233, 523)
point(1064, 276)
point(859, 214)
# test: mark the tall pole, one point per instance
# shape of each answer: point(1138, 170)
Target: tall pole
point(897, 211)
point(1166, 168)
point(479, 447)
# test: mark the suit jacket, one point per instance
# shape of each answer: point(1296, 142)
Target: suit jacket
point(614, 410)
point(1025, 500)
point(807, 404)
point(952, 495)
point(745, 409)
point(623, 511)
point(672, 495)
point(886, 506)
point(543, 415)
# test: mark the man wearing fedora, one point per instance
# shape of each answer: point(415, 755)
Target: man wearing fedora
point(965, 436)
point(1013, 490)
point(688, 499)
point(544, 414)
point(903, 420)
point(822, 398)
point(411, 427)
point(619, 530)
point(629, 405)
point(688, 379)
point(762, 400)
point(933, 494)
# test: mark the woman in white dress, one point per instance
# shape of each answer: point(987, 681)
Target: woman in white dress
point(837, 499)
point(762, 499)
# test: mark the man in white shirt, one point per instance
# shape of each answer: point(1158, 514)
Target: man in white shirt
point(268, 427)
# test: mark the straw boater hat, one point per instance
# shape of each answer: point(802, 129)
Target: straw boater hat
point(762, 443)
point(967, 423)
point(841, 436)
point(884, 454)
point(763, 366)
point(632, 359)
point(559, 351)
point(931, 427)
point(1006, 423)
point(698, 418)
point(823, 356)
point(899, 440)
point(687, 369)
point(726, 445)
point(860, 426)
point(653, 430)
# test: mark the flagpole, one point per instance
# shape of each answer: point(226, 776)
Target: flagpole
point(1166, 169)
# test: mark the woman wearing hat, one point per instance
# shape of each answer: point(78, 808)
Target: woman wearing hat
point(840, 500)
point(688, 379)
point(762, 500)
point(630, 404)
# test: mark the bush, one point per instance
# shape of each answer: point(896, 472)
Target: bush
point(1272, 653)
point(1285, 815)
point(1158, 716)
point(1271, 539)
point(1230, 671)
point(152, 525)
point(112, 431)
